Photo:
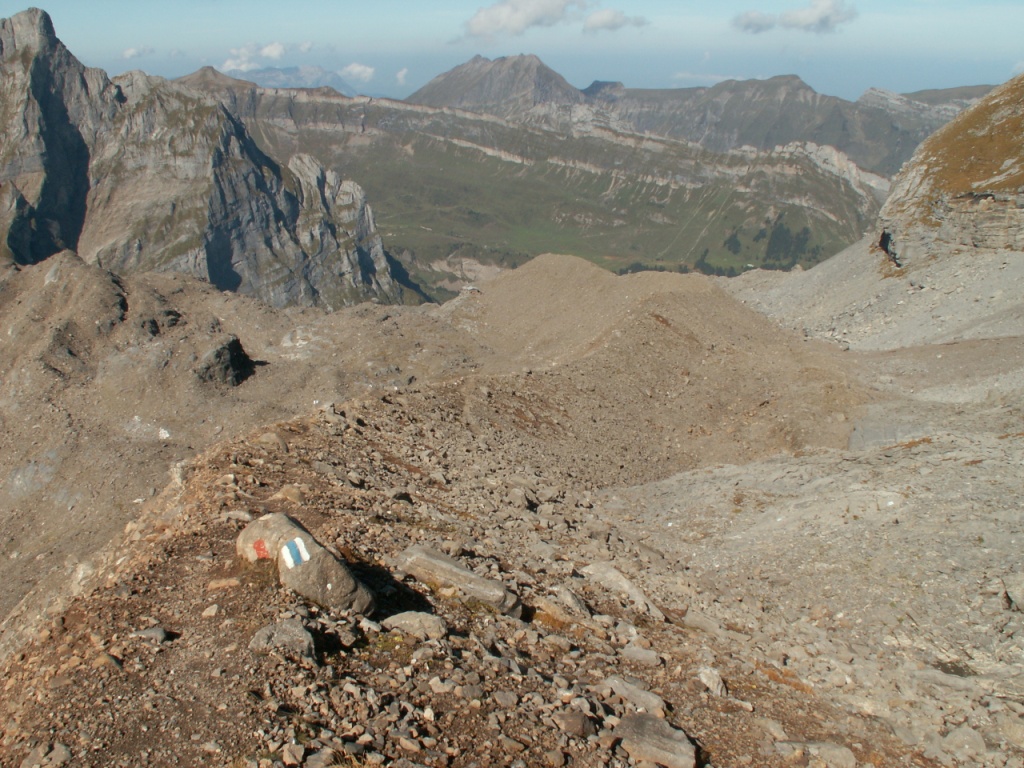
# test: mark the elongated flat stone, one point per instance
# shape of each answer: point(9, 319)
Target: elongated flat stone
point(431, 567)
point(646, 737)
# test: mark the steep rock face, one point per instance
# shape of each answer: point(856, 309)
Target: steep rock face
point(51, 110)
point(964, 187)
point(142, 174)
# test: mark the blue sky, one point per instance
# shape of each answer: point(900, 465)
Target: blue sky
point(392, 47)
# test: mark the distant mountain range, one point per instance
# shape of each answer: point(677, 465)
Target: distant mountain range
point(878, 132)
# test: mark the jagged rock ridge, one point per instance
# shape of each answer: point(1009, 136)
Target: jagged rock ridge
point(142, 174)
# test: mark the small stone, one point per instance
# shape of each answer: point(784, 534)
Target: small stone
point(833, 755)
point(323, 759)
point(155, 635)
point(424, 626)
point(432, 567)
point(210, 612)
point(292, 754)
point(644, 656)
point(574, 723)
point(217, 584)
point(288, 636)
point(554, 758)
point(712, 680)
point(507, 700)
point(107, 660)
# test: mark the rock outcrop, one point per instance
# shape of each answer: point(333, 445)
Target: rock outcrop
point(142, 174)
point(964, 188)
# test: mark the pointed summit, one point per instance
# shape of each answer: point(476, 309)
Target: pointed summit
point(506, 86)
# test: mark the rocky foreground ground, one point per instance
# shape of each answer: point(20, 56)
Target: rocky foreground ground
point(712, 542)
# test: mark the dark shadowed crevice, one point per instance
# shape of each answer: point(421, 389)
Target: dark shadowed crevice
point(219, 266)
point(59, 216)
point(888, 244)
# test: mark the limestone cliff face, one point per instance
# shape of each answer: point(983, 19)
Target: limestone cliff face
point(142, 174)
point(51, 110)
point(964, 187)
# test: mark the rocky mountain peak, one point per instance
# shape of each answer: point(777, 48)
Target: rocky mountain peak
point(605, 90)
point(30, 30)
point(505, 86)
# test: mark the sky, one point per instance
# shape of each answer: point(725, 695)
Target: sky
point(393, 47)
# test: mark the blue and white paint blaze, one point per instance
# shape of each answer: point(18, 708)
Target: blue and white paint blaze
point(294, 553)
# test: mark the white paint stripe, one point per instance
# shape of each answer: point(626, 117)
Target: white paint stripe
point(303, 553)
point(286, 553)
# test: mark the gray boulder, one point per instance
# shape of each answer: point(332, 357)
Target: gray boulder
point(289, 637)
point(303, 565)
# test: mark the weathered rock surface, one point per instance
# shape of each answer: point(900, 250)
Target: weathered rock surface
point(649, 738)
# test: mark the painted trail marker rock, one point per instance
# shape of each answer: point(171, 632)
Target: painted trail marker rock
point(303, 565)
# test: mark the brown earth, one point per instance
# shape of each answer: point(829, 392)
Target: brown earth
point(741, 474)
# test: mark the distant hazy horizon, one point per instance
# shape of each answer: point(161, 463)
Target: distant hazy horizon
point(392, 48)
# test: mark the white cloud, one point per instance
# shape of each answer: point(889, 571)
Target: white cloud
point(306, 47)
point(820, 16)
point(755, 22)
point(272, 51)
point(242, 59)
point(136, 53)
point(611, 20)
point(253, 56)
point(516, 16)
point(360, 72)
point(401, 75)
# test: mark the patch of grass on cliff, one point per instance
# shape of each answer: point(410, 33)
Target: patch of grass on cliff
point(974, 148)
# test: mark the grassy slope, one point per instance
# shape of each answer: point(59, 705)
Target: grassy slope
point(434, 198)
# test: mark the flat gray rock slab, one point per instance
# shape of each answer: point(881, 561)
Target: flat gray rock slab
point(303, 564)
point(425, 626)
point(635, 695)
point(646, 737)
point(432, 567)
point(609, 577)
